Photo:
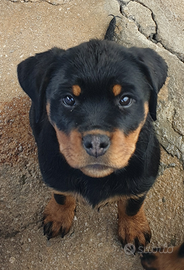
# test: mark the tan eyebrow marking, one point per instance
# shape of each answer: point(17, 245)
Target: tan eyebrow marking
point(76, 90)
point(116, 89)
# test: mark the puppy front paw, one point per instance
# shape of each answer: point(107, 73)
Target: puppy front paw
point(133, 227)
point(58, 218)
point(134, 231)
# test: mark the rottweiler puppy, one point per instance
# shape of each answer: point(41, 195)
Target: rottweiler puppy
point(160, 260)
point(91, 116)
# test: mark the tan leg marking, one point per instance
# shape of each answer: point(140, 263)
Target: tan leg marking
point(58, 218)
point(132, 229)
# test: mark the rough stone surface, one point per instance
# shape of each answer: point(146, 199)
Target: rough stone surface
point(135, 12)
point(169, 19)
point(170, 22)
point(28, 27)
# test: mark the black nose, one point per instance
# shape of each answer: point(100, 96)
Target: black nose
point(96, 145)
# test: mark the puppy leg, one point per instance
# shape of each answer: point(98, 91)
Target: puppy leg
point(132, 223)
point(164, 259)
point(58, 215)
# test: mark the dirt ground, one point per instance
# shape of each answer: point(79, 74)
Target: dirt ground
point(92, 242)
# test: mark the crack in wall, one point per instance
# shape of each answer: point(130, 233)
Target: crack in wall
point(154, 37)
point(164, 167)
point(139, 27)
point(180, 159)
point(173, 124)
point(156, 27)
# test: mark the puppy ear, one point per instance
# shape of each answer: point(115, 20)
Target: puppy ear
point(155, 69)
point(34, 74)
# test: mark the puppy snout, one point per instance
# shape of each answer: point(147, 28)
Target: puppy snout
point(96, 145)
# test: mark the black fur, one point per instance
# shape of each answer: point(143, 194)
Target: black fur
point(59, 198)
point(181, 251)
point(95, 66)
point(133, 205)
point(148, 258)
point(111, 28)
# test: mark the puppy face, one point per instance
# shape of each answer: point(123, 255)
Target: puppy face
point(97, 102)
point(97, 97)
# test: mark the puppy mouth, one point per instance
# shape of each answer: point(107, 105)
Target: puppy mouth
point(97, 167)
point(97, 170)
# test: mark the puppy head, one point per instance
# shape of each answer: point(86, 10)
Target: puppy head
point(97, 98)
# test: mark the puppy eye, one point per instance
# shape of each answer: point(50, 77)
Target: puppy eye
point(69, 100)
point(126, 101)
